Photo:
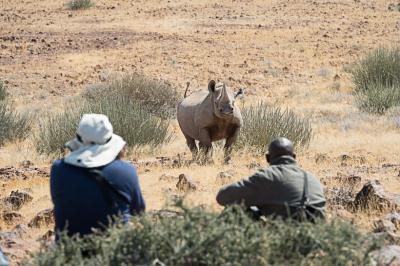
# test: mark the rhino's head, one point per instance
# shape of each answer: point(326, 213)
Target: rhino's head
point(222, 98)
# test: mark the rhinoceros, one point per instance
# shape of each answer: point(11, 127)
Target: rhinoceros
point(208, 116)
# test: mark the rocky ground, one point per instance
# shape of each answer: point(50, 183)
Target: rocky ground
point(295, 54)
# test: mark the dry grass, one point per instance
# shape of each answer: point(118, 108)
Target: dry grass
point(290, 62)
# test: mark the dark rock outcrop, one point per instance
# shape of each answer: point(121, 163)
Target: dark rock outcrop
point(373, 197)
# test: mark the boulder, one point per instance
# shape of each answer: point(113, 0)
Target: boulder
point(43, 218)
point(389, 224)
point(185, 183)
point(373, 196)
point(17, 199)
point(384, 226)
point(387, 255)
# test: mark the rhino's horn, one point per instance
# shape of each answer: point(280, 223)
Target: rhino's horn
point(224, 96)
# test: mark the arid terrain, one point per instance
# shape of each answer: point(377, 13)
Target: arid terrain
point(294, 54)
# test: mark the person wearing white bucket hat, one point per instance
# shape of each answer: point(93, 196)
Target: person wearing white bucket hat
point(92, 183)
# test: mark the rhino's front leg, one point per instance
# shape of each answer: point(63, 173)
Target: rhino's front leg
point(192, 146)
point(205, 146)
point(230, 140)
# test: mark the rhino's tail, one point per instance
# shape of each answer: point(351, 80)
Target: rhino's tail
point(187, 88)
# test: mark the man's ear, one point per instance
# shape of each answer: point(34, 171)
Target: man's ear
point(268, 157)
point(211, 86)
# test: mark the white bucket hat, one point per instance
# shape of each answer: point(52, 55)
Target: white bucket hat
point(95, 145)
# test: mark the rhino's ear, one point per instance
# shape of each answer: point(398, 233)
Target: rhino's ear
point(211, 86)
point(239, 93)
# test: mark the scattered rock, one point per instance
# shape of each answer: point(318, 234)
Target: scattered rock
point(43, 218)
point(167, 177)
point(21, 229)
point(394, 217)
point(319, 158)
point(387, 255)
point(341, 212)
point(389, 224)
point(394, 7)
point(373, 196)
point(225, 176)
point(7, 173)
point(26, 164)
point(349, 179)
point(17, 199)
point(340, 196)
point(347, 159)
point(11, 217)
point(336, 77)
point(47, 236)
point(253, 165)
point(185, 183)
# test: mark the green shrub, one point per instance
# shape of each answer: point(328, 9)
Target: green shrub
point(3, 92)
point(263, 123)
point(199, 237)
point(158, 98)
point(129, 119)
point(79, 4)
point(13, 125)
point(55, 129)
point(377, 81)
point(378, 98)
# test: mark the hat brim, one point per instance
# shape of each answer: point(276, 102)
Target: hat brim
point(94, 155)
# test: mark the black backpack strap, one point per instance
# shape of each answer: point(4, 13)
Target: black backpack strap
point(305, 200)
point(106, 185)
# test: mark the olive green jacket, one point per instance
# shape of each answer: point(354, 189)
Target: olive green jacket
point(274, 189)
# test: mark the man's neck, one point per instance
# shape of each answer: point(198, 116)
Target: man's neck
point(285, 159)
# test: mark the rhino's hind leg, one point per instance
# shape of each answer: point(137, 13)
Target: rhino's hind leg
point(191, 143)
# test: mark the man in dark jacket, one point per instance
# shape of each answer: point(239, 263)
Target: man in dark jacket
point(93, 184)
point(283, 189)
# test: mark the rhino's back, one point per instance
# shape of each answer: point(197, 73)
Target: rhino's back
point(194, 99)
point(187, 110)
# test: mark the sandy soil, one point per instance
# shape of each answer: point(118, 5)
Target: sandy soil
point(290, 53)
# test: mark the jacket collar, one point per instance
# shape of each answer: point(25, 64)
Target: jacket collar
point(286, 159)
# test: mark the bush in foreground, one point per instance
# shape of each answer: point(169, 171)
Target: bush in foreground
point(159, 98)
point(263, 123)
point(129, 119)
point(13, 125)
point(79, 4)
point(377, 81)
point(199, 237)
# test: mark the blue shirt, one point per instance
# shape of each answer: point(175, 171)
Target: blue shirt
point(80, 203)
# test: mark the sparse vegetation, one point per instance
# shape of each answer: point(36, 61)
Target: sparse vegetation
point(3, 92)
point(236, 239)
point(158, 98)
point(13, 125)
point(263, 123)
point(129, 119)
point(377, 81)
point(79, 4)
